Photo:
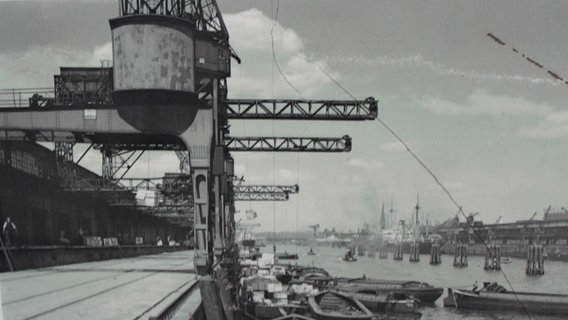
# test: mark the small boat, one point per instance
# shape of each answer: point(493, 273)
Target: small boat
point(349, 256)
point(294, 317)
point(300, 272)
point(311, 252)
point(329, 305)
point(376, 301)
point(506, 260)
point(495, 297)
point(287, 256)
point(282, 274)
point(317, 277)
point(424, 292)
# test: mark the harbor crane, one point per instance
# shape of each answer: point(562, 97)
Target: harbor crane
point(151, 101)
point(470, 218)
point(314, 227)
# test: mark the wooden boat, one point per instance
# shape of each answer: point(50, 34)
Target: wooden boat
point(329, 305)
point(300, 272)
point(282, 274)
point(263, 311)
point(294, 317)
point(286, 256)
point(422, 291)
point(493, 297)
point(383, 303)
point(311, 252)
point(317, 277)
point(349, 256)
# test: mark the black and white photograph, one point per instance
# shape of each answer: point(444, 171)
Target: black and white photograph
point(283, 159)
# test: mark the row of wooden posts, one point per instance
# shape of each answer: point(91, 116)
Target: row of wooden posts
point(535, 256)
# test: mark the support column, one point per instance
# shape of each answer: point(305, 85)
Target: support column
point(203, 259)
point(198, 140)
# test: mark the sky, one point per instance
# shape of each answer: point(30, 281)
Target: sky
point(490, 125)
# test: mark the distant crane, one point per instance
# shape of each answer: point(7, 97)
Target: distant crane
point(470, 218)
point(498, 219)
point(315, 227)
point(564, 209)
point(526, 225)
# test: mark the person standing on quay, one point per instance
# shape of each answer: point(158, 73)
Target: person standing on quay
point(9, 230)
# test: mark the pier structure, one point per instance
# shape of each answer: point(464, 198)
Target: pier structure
point(169, 92)
point(383, 251)
point(398, 251)
point(460, 255)
point(535, 260)
point(493, 258)
point(414, 252)
point(435, 254)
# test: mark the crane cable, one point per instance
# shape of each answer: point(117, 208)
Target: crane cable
point(532, 61)
point(414, 155)
point(438, 182)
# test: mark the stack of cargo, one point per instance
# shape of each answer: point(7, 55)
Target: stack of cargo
point(264, 290)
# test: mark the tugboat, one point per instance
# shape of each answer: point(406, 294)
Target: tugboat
point(286, 256)
point(349, 256)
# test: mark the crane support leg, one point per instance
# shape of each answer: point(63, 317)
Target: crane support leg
point(198, 141)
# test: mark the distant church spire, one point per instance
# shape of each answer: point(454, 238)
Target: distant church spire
point(382, 220)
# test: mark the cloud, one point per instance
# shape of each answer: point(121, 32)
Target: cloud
point(554, 126)
point(37, 65)
point(394, 146)
point(102, 53)
point(258, 75)
point(418, 60)
point(365, 164)
point(483, 103)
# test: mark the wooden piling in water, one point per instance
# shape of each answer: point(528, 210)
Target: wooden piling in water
point(435, 255)
point(383, 253)
point(460, 256)
point(414, 252)
point(398, 255)
point(535, 260)
point(493, 258)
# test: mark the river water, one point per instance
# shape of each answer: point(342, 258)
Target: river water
point(555, 279)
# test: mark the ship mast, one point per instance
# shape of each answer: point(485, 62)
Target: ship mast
point(416, 218)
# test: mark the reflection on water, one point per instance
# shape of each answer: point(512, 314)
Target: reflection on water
point(555, 279)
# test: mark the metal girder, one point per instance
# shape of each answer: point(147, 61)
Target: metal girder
point(64, 162)
point(304, 144)
point(302, 109)
point(266, 189)
point(261, 196)
point(163, 7)
point(117, 163)
point(183, 156)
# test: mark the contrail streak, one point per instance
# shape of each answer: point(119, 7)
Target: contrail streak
point(437, 68)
